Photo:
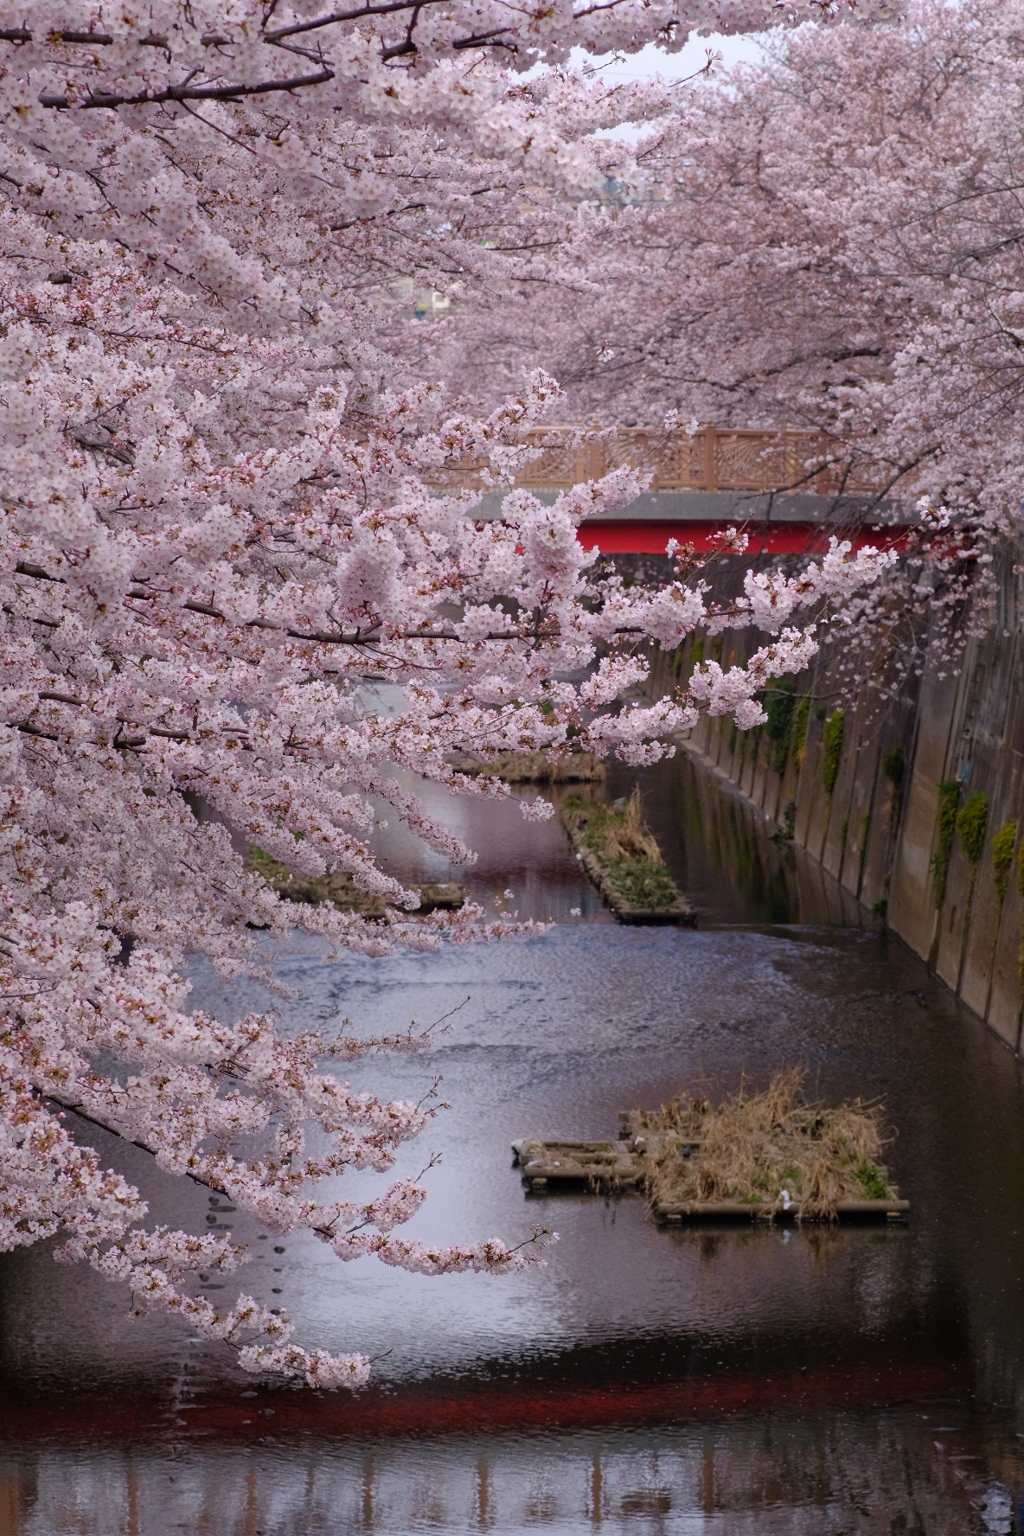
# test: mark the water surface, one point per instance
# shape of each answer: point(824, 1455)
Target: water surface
point(716, 1380)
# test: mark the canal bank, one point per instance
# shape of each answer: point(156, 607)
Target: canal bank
point(914, 804)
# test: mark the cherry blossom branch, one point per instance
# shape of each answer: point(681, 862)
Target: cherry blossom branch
point(238, 608)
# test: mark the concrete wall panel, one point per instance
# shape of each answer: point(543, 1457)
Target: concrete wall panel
point(962, 721)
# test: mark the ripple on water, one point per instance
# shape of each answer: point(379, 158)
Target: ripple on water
point(727, 1381)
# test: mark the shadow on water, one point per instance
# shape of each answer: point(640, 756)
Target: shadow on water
point(725, 853)
point(721, 850)
point(732, 1382)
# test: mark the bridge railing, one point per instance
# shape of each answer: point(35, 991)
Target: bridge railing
point(709, 459)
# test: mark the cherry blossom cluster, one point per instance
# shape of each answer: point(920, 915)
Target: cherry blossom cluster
point(827, 239)
point(247, 595)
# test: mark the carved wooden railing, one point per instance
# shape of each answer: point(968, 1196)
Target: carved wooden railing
point(710, 459)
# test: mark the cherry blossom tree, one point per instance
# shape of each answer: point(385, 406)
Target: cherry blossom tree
point(828, 239)
point(867, 287)
point(222, 510)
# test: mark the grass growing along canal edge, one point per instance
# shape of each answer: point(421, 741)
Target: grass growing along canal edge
point(622, 858)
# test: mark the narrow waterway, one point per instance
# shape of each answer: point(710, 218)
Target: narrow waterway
point(724, 1381)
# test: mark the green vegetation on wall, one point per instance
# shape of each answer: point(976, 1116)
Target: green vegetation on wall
point(798, 729)
point(784, 832)
point(894, 768)
point(1003, 845)
point(971, 822)
point(779, 703)
point(690, 654)
point(832, 746)
point(880, 907)
point(945, 822)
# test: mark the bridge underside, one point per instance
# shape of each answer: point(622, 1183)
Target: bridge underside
point(642, 536)
point(777, 523)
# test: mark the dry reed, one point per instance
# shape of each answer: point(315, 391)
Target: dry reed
point(753, 1147)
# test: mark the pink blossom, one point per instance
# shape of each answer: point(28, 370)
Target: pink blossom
point(224, 510)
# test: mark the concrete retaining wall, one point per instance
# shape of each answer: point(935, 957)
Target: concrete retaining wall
point(877, 829)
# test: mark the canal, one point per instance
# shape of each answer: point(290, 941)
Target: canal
point(724, 1381)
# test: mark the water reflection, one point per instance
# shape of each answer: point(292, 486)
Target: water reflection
point(718, 1480)
point(719, 849)
point(728, 855)
point(726, 1381)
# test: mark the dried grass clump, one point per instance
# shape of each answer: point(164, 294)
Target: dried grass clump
point(630, 836)
point(753, 1146)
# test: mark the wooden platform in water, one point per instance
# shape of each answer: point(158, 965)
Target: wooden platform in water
point(667, 1213)
point(604, 1165)
point(340, 890)
point(678, 912)
point(619, 855)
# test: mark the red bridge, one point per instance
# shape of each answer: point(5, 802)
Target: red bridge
point(787, 490)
